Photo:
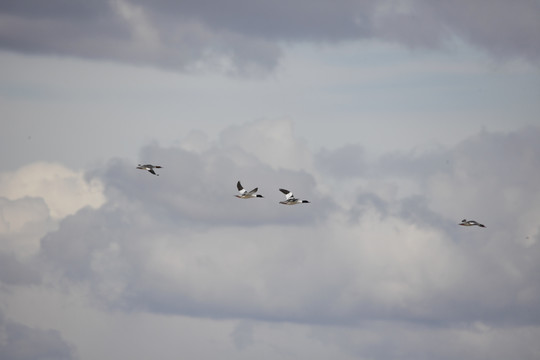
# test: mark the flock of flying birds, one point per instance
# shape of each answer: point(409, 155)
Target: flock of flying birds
point(289, 197)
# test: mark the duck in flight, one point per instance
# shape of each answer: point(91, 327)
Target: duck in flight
point(466, 222)
point(290, 199)
point(244, 194)
point(150, 168)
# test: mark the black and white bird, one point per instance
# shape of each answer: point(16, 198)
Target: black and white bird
point(244, 194)
point(150, 168)
point(466, 222)
point(290, 199)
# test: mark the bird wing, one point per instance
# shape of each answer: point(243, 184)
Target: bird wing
point(253, 191)
point(152, 171)
point(240, 188)
point(287, 193)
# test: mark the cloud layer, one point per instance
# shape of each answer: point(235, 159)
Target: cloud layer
point(245, 36)
point(183, 244)
point(377, 251)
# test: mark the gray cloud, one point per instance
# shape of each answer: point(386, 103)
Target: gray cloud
point(243, 36)
point(379, 340)
point(373, 267)
point(502, 28)
point(242, 335)
point(201, 187)
point(414, 163)
point(182, 244)
point(297, 20)
point(20, 342)
point(15, 272)
point(382, 254)
point(347, 161)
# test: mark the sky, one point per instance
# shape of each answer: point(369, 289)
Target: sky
point(395, 119)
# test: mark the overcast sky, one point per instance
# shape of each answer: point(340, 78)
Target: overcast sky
point(395, 119)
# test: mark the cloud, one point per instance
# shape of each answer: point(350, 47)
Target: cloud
point(373, 265)
point(247, 37)
point(242, 335)
point(33, 199)
point(20, 342)
point(22, 224)
point(196, 186)
point(63, 190)
point(493, 172)
point(182, 244)
point(12, 271)
point(125, 31)
point(347, 161)
point(21, 213)
point(499, 27)
point(272, 142)
point(381, 340)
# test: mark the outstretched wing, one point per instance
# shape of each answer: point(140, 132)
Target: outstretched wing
point(152, 171)
point(240, 188)
point(477, 223)
point(253, 191)
point(287, 193)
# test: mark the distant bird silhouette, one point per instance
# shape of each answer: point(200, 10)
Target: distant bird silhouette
point(290, 199)
point(150, 168)
point(244, 194)
point(466, 222)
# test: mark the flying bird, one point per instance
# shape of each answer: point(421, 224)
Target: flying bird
point(150, 168)
point(244, 194)
point(466, 222)
point(290, 199)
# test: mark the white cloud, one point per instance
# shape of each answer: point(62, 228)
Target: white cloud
point(21, 213)
point(34, 198)
point(64, 191)
point(23, 222)
point(272, 142)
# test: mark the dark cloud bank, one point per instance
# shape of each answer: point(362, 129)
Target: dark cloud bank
point(244, 36)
